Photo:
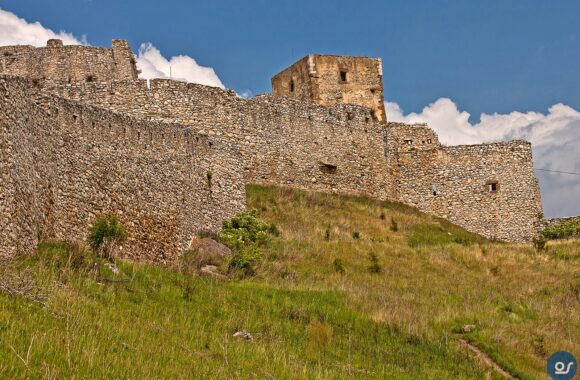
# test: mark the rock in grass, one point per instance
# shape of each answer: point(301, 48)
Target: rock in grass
point(468, 328)
point(243, 334)
point(209, 246)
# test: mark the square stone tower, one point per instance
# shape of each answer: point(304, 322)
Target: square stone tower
point(333, 79)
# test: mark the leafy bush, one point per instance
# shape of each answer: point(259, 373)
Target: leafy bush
point(244, 262)
point(375, 267)
point(569, 228)
point(539, 243)
point(327, 234)
point(106, 234)
point(394, 225)
point(356, 235)
point(245, 229)
point(338, 265)
point(382, 216)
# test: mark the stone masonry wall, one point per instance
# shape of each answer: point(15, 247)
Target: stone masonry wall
point(71, 63)
point(341, 149)
point(67, 162)
point(331, 79)
point(282, 141)
point(489, 188)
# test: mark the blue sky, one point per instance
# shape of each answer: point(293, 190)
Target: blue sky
point(476, 71)
point(488, 56)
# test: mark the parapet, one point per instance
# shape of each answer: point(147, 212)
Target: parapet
point(70, 63)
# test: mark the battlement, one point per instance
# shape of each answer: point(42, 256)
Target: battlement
point(70, 63)
point(334, 79)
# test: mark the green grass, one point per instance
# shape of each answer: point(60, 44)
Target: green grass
point(308, 319)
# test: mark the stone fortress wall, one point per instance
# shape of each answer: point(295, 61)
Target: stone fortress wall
point(65, 162)
point(70, 63)
point(487, 188)
point(283, 141)
point(271, 139)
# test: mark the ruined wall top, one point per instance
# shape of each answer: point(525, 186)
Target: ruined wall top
point(70, 63)
point(333, 79)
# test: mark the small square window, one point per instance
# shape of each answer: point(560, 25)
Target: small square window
point(408, 142)
point(343, 76)
point(428, 141)
point(492, 186)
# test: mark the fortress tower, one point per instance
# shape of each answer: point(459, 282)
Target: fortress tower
point(333, 79)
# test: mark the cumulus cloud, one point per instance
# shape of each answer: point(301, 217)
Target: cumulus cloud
point(154, 65)
point(555, 138)
point(17, 31)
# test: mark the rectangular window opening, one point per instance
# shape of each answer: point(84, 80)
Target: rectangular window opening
point(492, 186)
point(291, 86)
point(343, 76)
point(408, 142)
point(328, 168)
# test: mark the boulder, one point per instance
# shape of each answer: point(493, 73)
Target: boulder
point(210, 247)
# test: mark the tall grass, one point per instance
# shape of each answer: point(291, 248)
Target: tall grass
point(314, 307)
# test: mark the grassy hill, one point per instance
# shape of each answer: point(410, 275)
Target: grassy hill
point(352, 288)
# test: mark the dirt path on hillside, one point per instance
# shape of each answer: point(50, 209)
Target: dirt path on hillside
point(486, 359)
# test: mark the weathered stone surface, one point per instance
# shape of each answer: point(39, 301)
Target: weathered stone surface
point(207, 246)
point(82, 136)
point(63, 163)
point(71, 63)
point(334, 79)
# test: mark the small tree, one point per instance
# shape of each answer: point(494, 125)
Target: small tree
point(106, 234)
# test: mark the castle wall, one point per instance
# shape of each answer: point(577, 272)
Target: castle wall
point(318, 79)
point(70, 63)
point(282, 141)
point(70, 162)
point(342, 149)
point(488, 188)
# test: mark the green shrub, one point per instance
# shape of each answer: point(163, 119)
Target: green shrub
point(375, 267)
point(245, 261)
point(356, 235)
point(106, 234)
point(382, 216)
point(539, 243)
point(246, 229)
point(394, 225)
point(327, 234)
point(569, 228)
point(338, 265)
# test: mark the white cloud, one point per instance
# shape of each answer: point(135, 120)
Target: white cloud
point(153, 65)
point(555, 139)
point(17, 31)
